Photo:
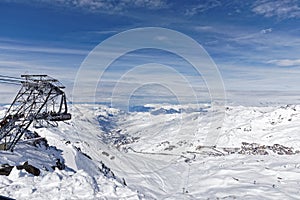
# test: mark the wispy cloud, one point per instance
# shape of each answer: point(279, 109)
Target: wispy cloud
point(241, 36)
point(240, 45)
point(18, 57)
point(265, 31)
point(152, 4)
point(285, 62)
point(15, 68)
point(107, 32)
point(204, 28)
point(39, 49)
point(101, 6)
point(202, 7)
point(282, 9)
point(161, 38)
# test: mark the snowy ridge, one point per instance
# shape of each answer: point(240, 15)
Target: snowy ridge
point(112, 154)
point(82, 177)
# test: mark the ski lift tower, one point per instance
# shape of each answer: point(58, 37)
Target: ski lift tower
point(41, 99)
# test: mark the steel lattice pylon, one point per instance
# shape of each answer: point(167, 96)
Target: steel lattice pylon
point(41, 98)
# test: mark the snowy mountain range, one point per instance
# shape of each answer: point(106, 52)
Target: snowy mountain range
point(159, 152)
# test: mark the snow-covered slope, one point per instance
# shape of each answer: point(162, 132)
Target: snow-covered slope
point(81, 178)
point(173, 153)
point(159, 152)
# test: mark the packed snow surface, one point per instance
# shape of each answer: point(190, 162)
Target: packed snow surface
point(161, 152)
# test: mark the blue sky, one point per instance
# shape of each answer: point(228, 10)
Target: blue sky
point(255, 44)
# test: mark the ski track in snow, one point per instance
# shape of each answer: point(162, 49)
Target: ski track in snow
point(161, 154)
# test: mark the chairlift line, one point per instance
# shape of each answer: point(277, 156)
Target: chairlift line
point(10, 80)
point(10, 83)
point(10, 77)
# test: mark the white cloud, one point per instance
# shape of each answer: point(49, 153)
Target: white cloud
point(204, 28)
point(102, 6)
point(202, 7)
point(279, 8)
point(265, 31)
point(151, 4)
point(285, 62)
point(161, 38)
point(105, 32)
point(38, 49)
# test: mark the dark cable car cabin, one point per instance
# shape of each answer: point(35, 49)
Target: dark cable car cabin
point(59, 116)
